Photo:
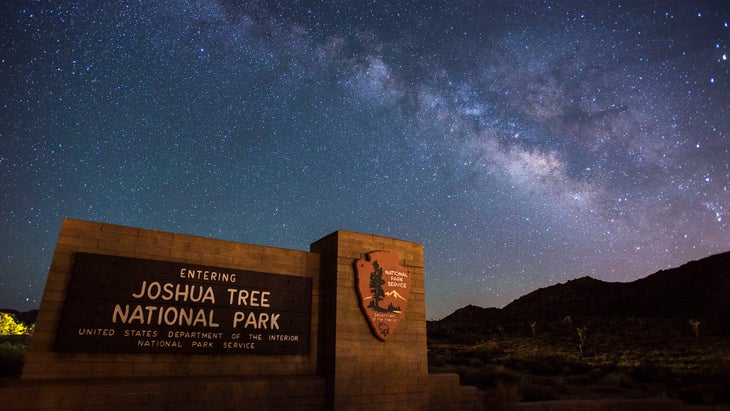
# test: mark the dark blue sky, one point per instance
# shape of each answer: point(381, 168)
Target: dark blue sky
point(522, 143)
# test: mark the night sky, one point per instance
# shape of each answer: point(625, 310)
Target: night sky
point(522, 143)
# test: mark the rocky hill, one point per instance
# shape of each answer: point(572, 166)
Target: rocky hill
point(699, 290)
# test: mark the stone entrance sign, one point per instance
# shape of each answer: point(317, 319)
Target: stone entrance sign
point(141, 319)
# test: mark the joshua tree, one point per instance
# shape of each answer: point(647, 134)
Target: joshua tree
point(695, 327)
point(582, 337)
point(533, 325)
point(568, 320)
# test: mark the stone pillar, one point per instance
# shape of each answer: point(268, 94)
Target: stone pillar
point(361, 371)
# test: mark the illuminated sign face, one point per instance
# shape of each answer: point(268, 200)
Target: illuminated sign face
point(383, 286)
point(130, 305)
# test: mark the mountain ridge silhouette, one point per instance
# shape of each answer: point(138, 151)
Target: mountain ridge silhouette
point(698, 289)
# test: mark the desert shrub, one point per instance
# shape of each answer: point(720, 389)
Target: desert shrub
point(723, 393)
point(709, 384)
point(485, 351)
point(691, 394)
point(717, 367)
point(437, 360)
point(439, 357)
point(475, 376)
point(647, 371)
point(488, 376)
point(597, 373)
point(461, 357)
point(9, 325)
point(579, 379)
point(12, 358)
point(540, 363)
point(507, 393)
point(574, 367)
point(532, 391)
point(618, 379)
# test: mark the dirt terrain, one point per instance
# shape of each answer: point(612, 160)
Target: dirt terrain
point(622, 358)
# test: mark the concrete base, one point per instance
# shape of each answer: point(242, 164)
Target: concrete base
point(158, 394)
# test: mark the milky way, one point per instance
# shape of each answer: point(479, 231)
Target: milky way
point(522, 144)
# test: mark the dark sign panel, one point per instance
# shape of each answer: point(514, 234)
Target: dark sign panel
point(131, 305)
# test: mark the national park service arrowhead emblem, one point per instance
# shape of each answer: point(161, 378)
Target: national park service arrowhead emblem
point(383, 286)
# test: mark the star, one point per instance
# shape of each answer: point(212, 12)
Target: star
point(520, 154)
